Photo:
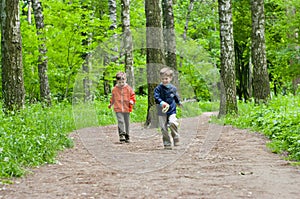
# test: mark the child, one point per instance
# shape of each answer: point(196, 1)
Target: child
point(166, 98)
point(123, 99)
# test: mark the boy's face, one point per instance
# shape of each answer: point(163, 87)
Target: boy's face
point(165, 79)
point(121, 82)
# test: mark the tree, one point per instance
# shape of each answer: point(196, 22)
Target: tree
point(227, 58)
point(112, 5)
point(242, 48)
point(186, 25)
point(86, 55)
point(155, 55)
point(170, 38)
point(261, 86)
point(42, 59)
point(127, 42)
point(13, 90)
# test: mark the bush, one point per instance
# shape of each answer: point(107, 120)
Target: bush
point(32, 137)
point(278, 120)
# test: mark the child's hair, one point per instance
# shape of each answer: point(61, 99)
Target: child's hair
point(121, 75)
point(166, 72)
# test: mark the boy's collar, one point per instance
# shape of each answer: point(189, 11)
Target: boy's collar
point(122, 86)
point(168, 85)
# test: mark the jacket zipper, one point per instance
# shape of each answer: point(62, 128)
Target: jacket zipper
point(122, 98)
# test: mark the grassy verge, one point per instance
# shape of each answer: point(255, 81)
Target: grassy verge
point(32, 137)
point(279, 120)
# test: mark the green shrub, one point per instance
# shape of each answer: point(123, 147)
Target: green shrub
point(278, 120)
point(32, 137)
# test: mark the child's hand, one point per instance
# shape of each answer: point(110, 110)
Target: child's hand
point(165, 107)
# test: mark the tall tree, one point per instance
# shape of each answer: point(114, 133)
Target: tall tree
point(155, 55)
point(170, 38)
point(86, 55)
point(227, 58)
point(42, 59)
point(261, 86)
point(112, 6)
point(186, 25)
point(127, 42)
point(11, 49)
point(29, 11)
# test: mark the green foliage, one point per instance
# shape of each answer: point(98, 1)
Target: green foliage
point(68, 27)
point(197, 71)
point(32, 137)
point(282, 27)
point(278, 120)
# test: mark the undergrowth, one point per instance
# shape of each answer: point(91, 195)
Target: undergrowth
point(279, 120)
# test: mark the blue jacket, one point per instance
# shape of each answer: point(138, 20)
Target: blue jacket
point(166, 94)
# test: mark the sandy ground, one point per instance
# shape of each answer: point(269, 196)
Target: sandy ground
point(212, 161)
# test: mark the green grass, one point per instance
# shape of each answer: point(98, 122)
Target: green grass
point(33, 137)
point(279, 120)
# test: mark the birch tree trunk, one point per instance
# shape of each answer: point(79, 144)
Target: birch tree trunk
point(13, 90)
point(227, 57)
point(186, 26)
point(261, 86)
point(155, 56)
point(29, 11)
point(170, 38)
point(42, 59)
point(127, 42)
point(112, 6)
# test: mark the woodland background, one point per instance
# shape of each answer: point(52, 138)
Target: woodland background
point(58, 37)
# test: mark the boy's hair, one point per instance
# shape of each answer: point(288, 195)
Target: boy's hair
point(121, 75)
point(166, 72)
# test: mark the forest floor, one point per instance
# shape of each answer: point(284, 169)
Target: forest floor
point(212, 161)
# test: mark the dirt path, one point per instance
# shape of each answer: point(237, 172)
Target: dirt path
point(212, 162)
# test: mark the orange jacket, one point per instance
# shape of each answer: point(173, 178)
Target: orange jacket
point(121, 97)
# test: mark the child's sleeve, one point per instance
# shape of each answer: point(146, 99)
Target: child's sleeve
point(132, 96)
point(112, 99)
point(176, 97)
point(157, 98)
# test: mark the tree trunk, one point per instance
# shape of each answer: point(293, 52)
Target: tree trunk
point(222, 110)
point(13, 91)
point(42, 59)
point(127, 42)
point(227, 56)
point(242, 71)
point(261, 86)
point(170, 38)
point(29, 11)
point(186, 26)
point(155, 56)
point(112, 5)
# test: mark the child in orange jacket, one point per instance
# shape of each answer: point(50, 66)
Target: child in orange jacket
point(123, 99)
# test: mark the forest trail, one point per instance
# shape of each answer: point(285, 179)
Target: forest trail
point(212, 161)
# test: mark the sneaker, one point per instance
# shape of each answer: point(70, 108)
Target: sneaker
point(127, 139)
point(168, 147)
point(176, 142)
point(122, 138)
